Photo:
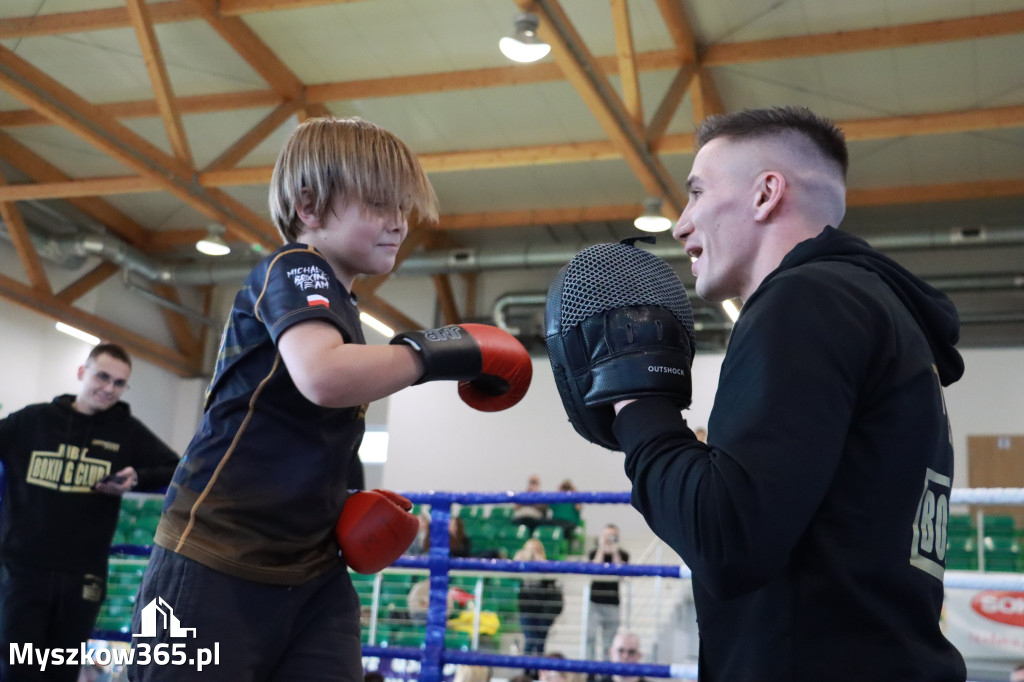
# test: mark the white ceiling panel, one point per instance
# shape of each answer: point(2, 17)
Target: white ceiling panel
point(425, 60)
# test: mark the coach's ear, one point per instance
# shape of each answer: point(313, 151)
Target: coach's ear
point(768, 191)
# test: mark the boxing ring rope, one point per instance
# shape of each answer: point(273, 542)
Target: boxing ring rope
point(433, 656)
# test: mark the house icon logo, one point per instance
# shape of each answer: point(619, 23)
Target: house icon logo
point(159, 608)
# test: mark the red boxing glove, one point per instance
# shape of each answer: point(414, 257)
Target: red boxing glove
point(374, 529)
point(493, 368)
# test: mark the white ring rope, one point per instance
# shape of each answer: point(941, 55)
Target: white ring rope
point(987, 496)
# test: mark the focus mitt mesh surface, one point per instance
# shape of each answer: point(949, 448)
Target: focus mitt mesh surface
point(618, 325)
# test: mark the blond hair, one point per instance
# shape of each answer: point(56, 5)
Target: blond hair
point(472, 673)
point(348, 159)
point(532, 546)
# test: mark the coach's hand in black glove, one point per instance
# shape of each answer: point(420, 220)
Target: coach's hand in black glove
point(636, 352)
point(618, 326)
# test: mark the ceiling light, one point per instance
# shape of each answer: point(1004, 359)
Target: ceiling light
point(374, 323)
point(213, 243)
point(524, 45)
point(730, 309)
point(78, 333)
point(652, 219)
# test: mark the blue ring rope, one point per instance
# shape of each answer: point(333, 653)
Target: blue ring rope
point(433, 655)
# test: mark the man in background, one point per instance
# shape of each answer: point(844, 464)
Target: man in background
point(625, 648)
point(67, 463)
point(604, 613)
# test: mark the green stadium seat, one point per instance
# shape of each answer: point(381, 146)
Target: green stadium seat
point(999, 525)
point(511, 537)
point(472, 511)
point(141, 536)
point(394, 590)
point(458, 640)
point(960, 523)
point(556, 546)
point(1001, 553)
point(962, 553)
point(405, 634)
point(500, 512)
point(501, 595)
point(152, 506)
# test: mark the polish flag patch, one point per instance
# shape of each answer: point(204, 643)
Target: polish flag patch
point(317, 299)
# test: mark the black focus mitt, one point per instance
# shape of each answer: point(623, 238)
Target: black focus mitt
point(618, 325)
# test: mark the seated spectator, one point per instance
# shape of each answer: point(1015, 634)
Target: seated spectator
point(530, 515)
point(625, 648)
point(458, 542)
point(540, 600)
point(472, 673)
point(604, 616)
point(559, 675)
point(565, 514)
point(421, 544)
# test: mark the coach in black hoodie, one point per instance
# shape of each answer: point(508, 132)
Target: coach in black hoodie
point(814, 518)
point(59, 514)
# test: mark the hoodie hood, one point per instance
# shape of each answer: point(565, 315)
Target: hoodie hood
point(934, 312)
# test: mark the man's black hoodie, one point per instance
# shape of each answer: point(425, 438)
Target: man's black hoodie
point(52, 456)
point(811, 518)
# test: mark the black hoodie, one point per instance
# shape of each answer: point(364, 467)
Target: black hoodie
point(810, 519)
point(52, 456)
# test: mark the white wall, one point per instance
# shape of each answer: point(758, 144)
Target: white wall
point(40, 363)
point(989, 400)
point(439, 443)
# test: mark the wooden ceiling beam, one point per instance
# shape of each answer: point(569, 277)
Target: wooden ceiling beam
point(23, 245)
point(134, 343)
point(716, 55)
point(575, 59)
point(574, 152)
point(674, 95)
point(679, 28)
point(239, 7)
point(704, 96)
point(168, 240)
point(69, 189)
point(181, 329)
point(905, 35)
point(230, 157)
point(70, 111)
point(625, 55)
point(90, 20)
point(883, 38)
point(87, 282)
point(388, 314)
point(876, 196)
point(142, 22)
point(533, 217)
point(446, 298)
point(42, 171)
point(918, 194)
point(252, 49)
point(194, 104)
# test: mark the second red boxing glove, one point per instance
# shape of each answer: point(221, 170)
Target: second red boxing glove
point(374, 529)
